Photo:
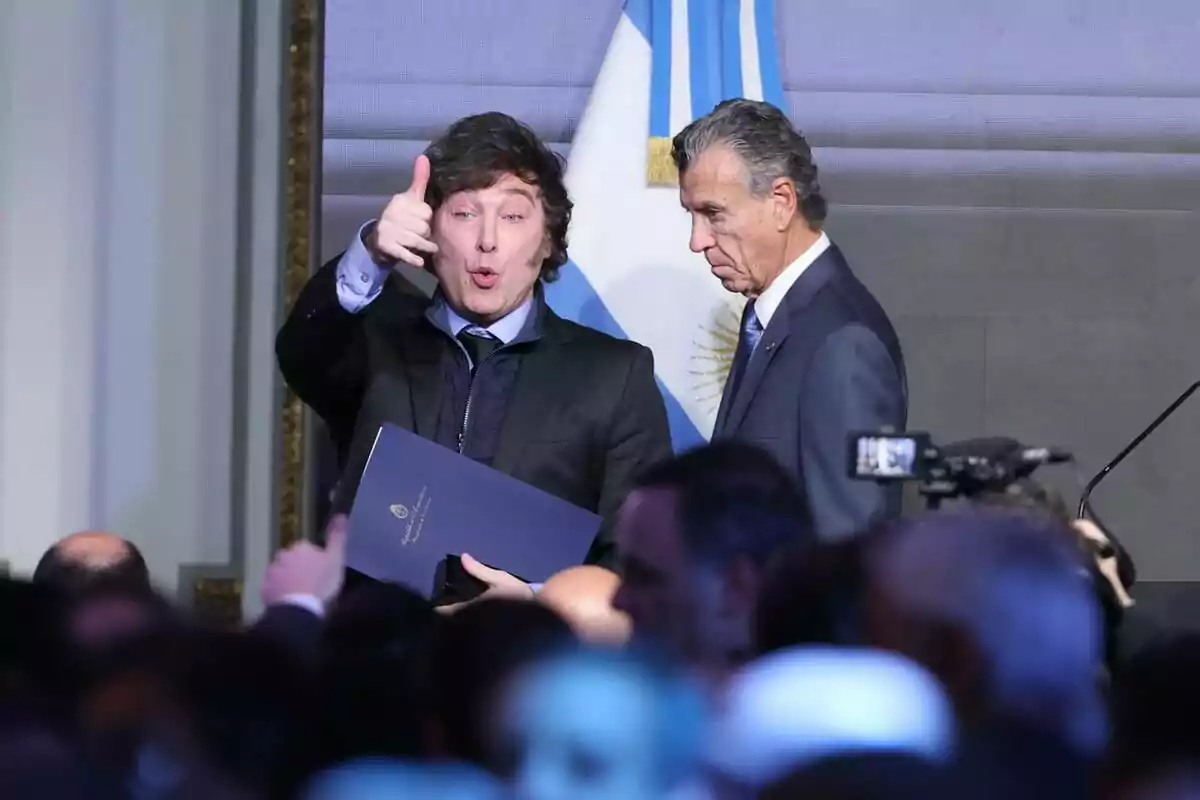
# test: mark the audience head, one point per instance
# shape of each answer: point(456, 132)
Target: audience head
point(475, 651)
point(108, 592)
point(597, 725)
point(107, 595)
point(1113, 571)
point(380, 777)
point(241, 698)
point(192, 711)
point(583, 597)
point(798, 706)
point(90, 560)
point(1155, 705)
point(1000, 606)
point(865, 776)
point(39, 762)
point(34, 658)
point(378, 618)
point(695, 537)
point(101, 623)
point(828, 582)
point(1182, 783)
point(374, 684)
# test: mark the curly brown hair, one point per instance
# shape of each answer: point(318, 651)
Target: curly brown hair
point(477, 150)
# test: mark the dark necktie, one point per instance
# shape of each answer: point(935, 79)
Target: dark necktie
point(751, 333)
point(479, 344)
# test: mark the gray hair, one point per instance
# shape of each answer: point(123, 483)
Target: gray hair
point(767, 143)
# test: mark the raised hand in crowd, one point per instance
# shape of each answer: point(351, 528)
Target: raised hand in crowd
point(306, 572)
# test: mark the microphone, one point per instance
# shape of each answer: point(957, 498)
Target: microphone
point(1085, 507)
point(1006, 453)
point(1036, 456)
point(990, 448)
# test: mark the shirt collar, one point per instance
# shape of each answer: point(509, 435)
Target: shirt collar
point(772, 297)
point(506, 329)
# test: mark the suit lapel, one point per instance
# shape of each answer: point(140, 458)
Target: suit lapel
point(527, 408)
point(424, 350)
point(733, 409)
point(531, 399)
point(772, 339)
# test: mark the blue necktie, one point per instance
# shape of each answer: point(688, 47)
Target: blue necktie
point(751, 333)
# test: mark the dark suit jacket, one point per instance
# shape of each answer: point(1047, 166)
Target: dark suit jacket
point(828, 364)
point(584, 416)
point(292, 628)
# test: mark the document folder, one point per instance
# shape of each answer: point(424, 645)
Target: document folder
point(419, 502)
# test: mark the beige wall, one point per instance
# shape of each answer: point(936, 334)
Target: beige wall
point(135, 315)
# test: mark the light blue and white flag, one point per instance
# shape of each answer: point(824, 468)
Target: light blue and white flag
point(631, 273)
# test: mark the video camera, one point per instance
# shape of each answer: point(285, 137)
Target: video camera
point(962, 469)
point(984, 470)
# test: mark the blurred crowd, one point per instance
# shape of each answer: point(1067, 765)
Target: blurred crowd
point(962, 653)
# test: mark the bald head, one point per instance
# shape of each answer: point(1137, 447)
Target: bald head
point(583, 597)
point(92, 559)
point(95, 549)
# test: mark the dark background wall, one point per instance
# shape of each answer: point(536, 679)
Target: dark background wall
point(1018, 182)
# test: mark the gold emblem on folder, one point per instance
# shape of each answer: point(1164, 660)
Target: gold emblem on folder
point(412, 516)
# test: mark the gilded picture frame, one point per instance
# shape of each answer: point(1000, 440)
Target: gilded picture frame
point(301, 176)
point(216, 592)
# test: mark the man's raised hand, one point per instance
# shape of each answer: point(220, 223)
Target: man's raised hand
point(403, 230)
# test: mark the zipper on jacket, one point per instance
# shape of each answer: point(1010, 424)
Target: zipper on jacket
point(466, 418)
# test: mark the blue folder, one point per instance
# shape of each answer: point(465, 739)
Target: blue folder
point(419, 502)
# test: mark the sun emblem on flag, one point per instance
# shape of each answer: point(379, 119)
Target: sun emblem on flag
point(712, 355)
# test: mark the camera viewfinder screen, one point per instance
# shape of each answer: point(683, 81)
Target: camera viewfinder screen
point(886, 457)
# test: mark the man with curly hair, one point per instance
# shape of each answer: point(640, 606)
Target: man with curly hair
point(485, 367)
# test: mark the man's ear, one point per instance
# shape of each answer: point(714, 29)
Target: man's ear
point(785, 203)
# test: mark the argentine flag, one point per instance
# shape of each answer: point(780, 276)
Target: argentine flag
point(631, 273)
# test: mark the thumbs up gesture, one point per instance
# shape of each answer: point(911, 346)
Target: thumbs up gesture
point(403, 230)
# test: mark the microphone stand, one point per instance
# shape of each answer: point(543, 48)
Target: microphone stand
point(1126, 570)
point(1085, 508)
point(1125, 565)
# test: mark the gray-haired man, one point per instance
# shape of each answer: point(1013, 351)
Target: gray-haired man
point(817, 357)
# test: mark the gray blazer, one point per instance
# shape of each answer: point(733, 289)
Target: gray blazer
point(829, 364)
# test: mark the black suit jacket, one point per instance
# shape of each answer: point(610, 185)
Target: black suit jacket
point(584, 416)
point(828, 364)
point(292, 628)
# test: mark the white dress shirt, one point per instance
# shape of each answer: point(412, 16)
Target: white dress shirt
point(772, 297)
